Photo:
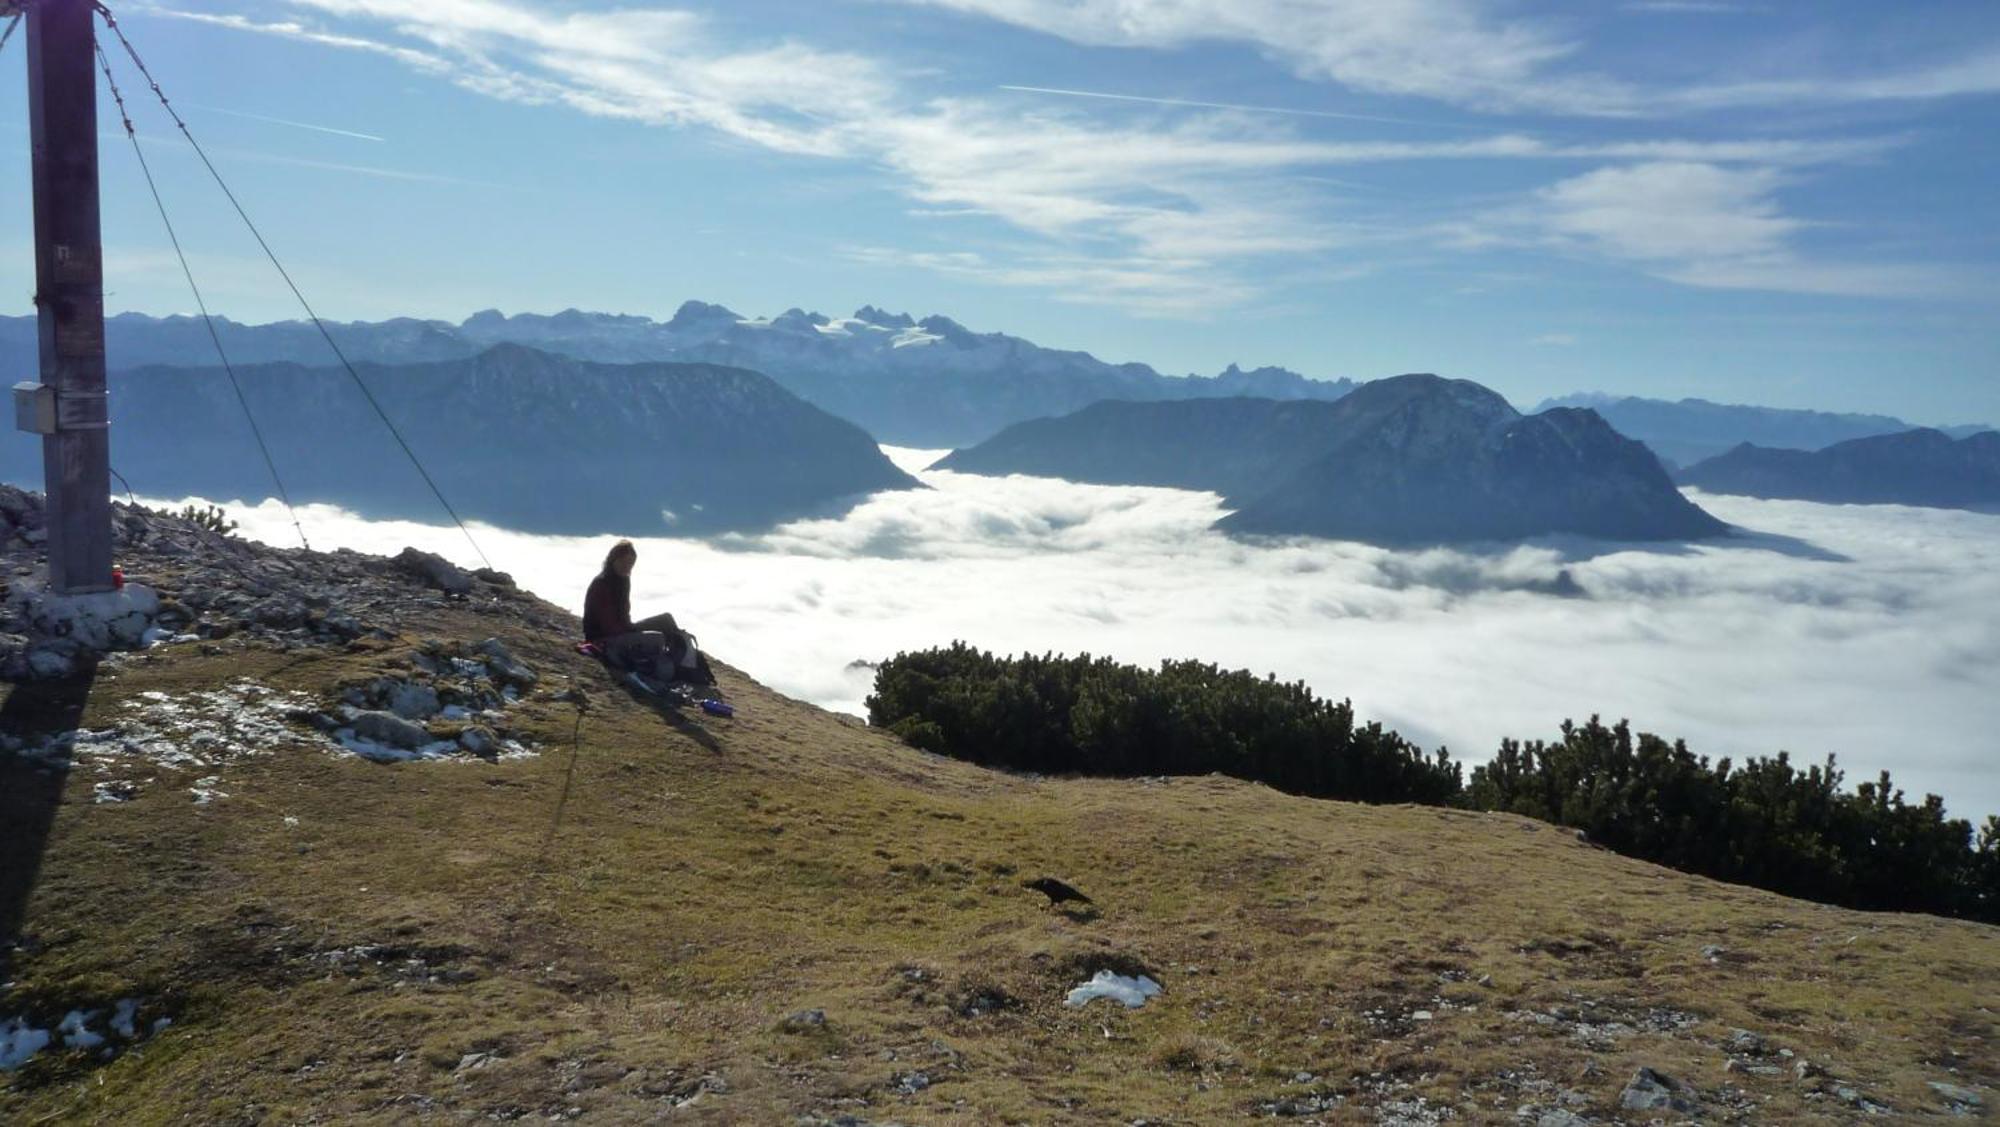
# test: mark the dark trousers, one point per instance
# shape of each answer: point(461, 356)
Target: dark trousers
point(653, 645)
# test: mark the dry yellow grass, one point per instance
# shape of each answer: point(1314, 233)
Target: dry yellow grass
point(622, 928)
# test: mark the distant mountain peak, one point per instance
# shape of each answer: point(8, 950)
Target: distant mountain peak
point(695, 313)
point(945, 327)
point(885, 319)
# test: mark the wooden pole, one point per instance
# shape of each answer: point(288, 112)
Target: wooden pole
point(69, 291)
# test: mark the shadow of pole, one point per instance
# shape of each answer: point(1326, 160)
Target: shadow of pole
point(31, 789)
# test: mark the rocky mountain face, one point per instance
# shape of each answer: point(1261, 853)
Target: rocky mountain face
point(1690, 430)
point(1916, 467)
point(1412, 459)
point(929, 382)
point(513, 436)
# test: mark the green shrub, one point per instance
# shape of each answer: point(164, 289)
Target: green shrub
point(1766, 823)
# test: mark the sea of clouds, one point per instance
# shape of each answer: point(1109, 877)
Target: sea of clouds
point(1871, 632)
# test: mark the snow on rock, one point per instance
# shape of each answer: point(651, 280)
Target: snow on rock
point(114, 790)
point(1131, 992)
point(104, 620)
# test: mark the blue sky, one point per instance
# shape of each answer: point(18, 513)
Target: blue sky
point(1782, 203)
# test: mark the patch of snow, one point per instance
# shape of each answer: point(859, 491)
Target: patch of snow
point(455, 712)
point(207, 789)
point(161, 636)
point(1131, 992)
point(115, 790)
point(76, 1031)
point(206, 728)
point(19, 1041)
point(385, 753)
point(121, 1018)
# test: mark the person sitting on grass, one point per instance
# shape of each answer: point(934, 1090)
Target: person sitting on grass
point(654, 645)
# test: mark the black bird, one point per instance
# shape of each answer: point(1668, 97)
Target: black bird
point(1055, 890)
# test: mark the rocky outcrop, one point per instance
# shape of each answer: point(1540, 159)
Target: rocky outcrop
point(192, 584)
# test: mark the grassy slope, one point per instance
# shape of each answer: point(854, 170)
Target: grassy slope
point(616, 924)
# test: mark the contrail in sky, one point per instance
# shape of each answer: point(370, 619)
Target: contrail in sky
point(293, 124)
point(1228, 106)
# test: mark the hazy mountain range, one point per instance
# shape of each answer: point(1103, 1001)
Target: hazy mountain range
point(514, 436)
point(1683, 432)
point(929, 382)
point(1916, 467)
point(1410, 459)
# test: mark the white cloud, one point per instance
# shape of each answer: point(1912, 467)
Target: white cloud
point(1147, 288)
point(1183, 210)
point(1449, 50)
point(1889, 657)
point(1672, 210)
point(1704, 224)
point(1462, 52)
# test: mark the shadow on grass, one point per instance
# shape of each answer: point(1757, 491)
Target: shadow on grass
point(674, 713)
point(30, 791)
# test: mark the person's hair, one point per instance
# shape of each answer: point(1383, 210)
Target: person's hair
point(622, 548)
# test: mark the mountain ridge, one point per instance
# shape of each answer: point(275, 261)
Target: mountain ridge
point(1685, 431)
point(1410, 459)
point(925, 382)
point(1924, 467)
point(513, 435)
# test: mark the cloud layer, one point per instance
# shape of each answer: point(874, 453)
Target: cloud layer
point(1870, 632)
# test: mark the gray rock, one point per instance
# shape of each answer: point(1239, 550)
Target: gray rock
point(1561, 1117)
point(412, 700)
point(480, 742)
point(506, 668)
point(342, 626)
point(1745, 1043)
point(1656, 1091)
point(497, 578)
point(50, 661)
point(804, 1020)
point(1961, 1100)
point(1806, 1070)
point(435, 570)
point(388, 728)
point(1714, 953)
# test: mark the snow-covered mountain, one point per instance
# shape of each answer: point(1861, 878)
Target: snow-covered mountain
point(928, 382)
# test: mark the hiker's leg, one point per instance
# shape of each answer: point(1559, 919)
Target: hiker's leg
point(639, 650)
point(660, 623)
